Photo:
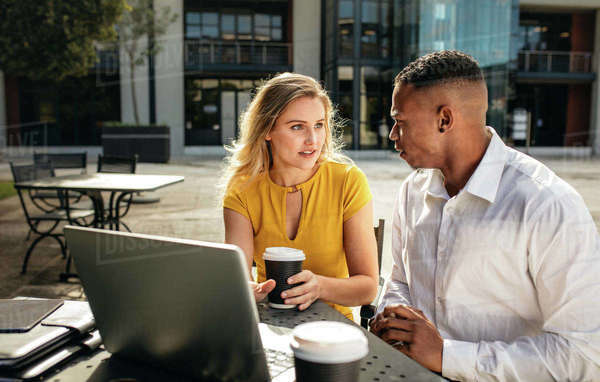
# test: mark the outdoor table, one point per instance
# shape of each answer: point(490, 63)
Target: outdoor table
point(119, 186)
point(383, 363)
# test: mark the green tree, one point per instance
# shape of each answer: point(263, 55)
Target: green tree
point(138, 21)
point(53, 39)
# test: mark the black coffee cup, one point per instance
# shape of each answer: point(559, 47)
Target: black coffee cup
point(280, 264)
point(328, 351)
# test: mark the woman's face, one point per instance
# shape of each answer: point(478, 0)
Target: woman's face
point(298, 135)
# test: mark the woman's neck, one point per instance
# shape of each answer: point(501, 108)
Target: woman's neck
point(291, 176)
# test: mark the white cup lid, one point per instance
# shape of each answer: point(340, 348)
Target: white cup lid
point(329, 342)
point(283, 254)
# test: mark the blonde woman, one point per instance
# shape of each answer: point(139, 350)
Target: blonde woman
point(288, 185)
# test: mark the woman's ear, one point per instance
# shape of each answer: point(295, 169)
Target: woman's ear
point(268, 138)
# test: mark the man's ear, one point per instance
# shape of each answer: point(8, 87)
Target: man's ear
point(445, 118)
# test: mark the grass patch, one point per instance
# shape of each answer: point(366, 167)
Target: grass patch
point(6, 189)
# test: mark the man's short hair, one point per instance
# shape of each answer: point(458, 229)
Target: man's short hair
point(438, 68)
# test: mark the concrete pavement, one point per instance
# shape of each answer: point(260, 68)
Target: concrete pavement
point(191, 210)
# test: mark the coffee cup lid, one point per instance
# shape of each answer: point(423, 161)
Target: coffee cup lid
point(329, 342)
point(283, 254)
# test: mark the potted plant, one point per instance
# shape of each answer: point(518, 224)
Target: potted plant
point(150, 142)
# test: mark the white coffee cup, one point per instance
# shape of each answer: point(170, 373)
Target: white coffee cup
point(328, 351)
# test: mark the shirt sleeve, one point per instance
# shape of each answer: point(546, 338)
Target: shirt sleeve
point(235, 200)
point(356, 192)
point(396, 291)
point(564, 259)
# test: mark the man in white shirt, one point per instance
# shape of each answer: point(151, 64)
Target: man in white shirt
point(496, 259)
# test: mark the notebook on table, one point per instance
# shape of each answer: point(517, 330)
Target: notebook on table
point(19, 316)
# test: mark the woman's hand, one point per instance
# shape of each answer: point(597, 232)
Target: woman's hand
point(303, 295)
point(261, 290)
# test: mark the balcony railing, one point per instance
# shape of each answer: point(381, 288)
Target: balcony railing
point(555, 61)
point(205, 52)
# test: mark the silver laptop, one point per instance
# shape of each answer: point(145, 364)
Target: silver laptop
point(183, 305)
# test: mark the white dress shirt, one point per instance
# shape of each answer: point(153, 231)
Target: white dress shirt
point(508, 270)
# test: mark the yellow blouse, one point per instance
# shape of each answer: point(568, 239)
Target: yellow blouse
point(330, 197)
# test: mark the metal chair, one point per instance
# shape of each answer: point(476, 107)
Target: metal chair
point(63, 161)
point(117, 165)
point(368, 311)
point(22, 173)
point(47, 200)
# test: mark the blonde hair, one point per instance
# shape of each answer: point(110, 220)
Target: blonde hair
point(250, 154)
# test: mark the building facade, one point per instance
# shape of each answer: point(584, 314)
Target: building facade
point(539, 58)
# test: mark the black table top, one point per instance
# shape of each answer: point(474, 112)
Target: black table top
point(383, 363)
point(103, 182)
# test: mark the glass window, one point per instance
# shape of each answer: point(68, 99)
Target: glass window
point(209, 31)
point(276, 34)
point(244, 27)
point(414, 28)
point(261, 27)
point(370, 12)
point(261, 20)
point(210, 18)
point(192, 27)
point(345, 11)
point(346, 28)
point(210, 25)
point(369, 79)
point(228, 27)
point(276, 21)
point(386, 31)
point(479, 28)
point(369, 28)
point(372, 116)
point(192, 31)
point(202, 112)
point(192, 17)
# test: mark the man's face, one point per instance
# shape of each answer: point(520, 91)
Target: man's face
point(416, 132)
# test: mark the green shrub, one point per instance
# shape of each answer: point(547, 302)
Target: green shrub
point(6, 189)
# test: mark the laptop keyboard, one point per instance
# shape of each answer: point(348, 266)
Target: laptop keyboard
point(278, 361)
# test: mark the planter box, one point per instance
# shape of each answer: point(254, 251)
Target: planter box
point(150, 143)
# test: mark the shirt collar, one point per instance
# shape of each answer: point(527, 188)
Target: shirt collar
point(434, 186)
point(486, 178)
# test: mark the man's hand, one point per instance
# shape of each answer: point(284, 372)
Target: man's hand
point(261, 290)
point(408, 330)
point(303, 295)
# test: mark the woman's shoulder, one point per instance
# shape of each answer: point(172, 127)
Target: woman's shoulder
point(341, 170)
point(245, 183)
